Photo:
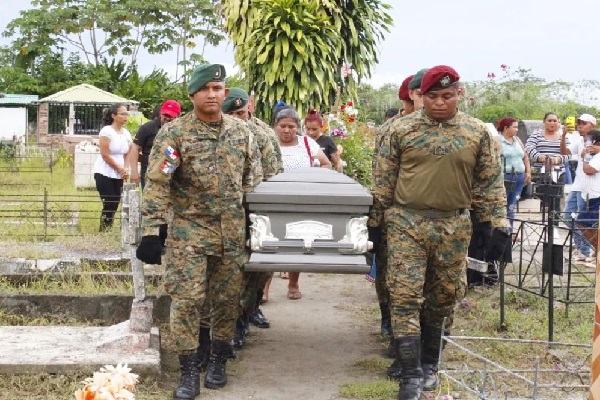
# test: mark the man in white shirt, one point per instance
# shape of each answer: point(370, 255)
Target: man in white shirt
point(576, 202)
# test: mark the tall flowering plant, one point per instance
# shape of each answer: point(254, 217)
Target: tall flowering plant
point(110, 383)
point(349, 112)
point(355, 142)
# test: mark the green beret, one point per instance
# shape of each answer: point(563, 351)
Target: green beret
point(203, 74)
point(415, 82)
point(236, 99)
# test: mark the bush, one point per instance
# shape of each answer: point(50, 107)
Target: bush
point(7, 150)
point(358, 145)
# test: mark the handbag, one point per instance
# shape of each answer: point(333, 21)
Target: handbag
point(308, 150)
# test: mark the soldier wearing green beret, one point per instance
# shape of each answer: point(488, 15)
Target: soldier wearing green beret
point(236, 104)
point(199, 168)
point(414, 89)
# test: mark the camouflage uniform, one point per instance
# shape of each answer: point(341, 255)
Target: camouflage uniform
point(427, 175)
point(201, 172)
point(268, 144)
point(381, 288)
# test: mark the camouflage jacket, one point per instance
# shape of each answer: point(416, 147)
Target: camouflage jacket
point(268, 144)
point(376, 212)
point(424, 164)
point(201, 173)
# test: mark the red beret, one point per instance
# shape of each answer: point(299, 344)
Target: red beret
point(403, 92)
point(438, 77)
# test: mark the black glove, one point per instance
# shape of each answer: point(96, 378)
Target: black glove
point(375, 237)
point(498, 243)
point(480, 239)
point(149, 250)
point(482, 230)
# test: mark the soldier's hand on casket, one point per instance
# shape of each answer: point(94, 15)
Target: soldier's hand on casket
point(374, 237)
point(500, 239)
point(149, 250)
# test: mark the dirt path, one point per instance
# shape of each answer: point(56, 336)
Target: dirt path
point(312, 345)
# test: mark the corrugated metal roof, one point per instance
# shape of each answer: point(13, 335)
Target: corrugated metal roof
point(85, 93)
point(8, 99)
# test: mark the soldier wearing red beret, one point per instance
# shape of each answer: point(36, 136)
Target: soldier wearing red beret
point(432, 167)
point(404, 96)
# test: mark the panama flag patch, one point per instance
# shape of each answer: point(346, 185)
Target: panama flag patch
point(167, 167)
point(171, 153)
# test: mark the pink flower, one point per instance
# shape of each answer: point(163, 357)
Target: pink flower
point(471, 98)
point(503, 67)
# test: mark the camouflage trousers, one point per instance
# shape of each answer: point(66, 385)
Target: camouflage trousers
point(202, 288)
point(253, 282)
point(426, 264)
point(383, 294)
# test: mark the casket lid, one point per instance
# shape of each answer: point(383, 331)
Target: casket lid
point(311, 186)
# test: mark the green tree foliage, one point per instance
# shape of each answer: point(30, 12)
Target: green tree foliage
point(107, 29)
point(362, 24)
point(521, 95)
point(373, 103)
point(151, 90)
point(289, 54)
point(293, 50)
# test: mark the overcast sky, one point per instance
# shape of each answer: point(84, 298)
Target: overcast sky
point(555, 39)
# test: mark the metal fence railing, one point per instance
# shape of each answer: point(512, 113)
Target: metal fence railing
point(45, 216)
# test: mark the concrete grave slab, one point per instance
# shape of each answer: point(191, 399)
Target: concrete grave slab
point(68, 349)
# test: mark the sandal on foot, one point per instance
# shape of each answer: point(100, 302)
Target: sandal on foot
point(265, 298)
point(294, 294)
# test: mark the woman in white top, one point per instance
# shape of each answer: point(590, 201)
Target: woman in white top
point(113, 165)
point(296, 152)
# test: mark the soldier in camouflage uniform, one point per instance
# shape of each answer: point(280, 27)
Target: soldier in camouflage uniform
point(200, 166)
point(236, 104)
point(376, 225)
point(431, 168)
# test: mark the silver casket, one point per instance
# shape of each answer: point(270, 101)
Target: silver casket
point(309, 220)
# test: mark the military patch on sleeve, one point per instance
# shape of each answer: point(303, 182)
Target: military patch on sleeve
point(167, 167)
point(171, 153)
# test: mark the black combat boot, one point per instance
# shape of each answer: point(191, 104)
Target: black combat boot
point(216, 375)
point(390, 352)
point(430, 356)
point(246, 324)
point(189, 378)
point(239, 337)
point(256, 317)
point(408, 353)
point(203, 352)
point(386, 319)
point(394, 371)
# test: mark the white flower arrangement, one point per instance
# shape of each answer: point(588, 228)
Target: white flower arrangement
point(335, 126)
point(110, 383)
